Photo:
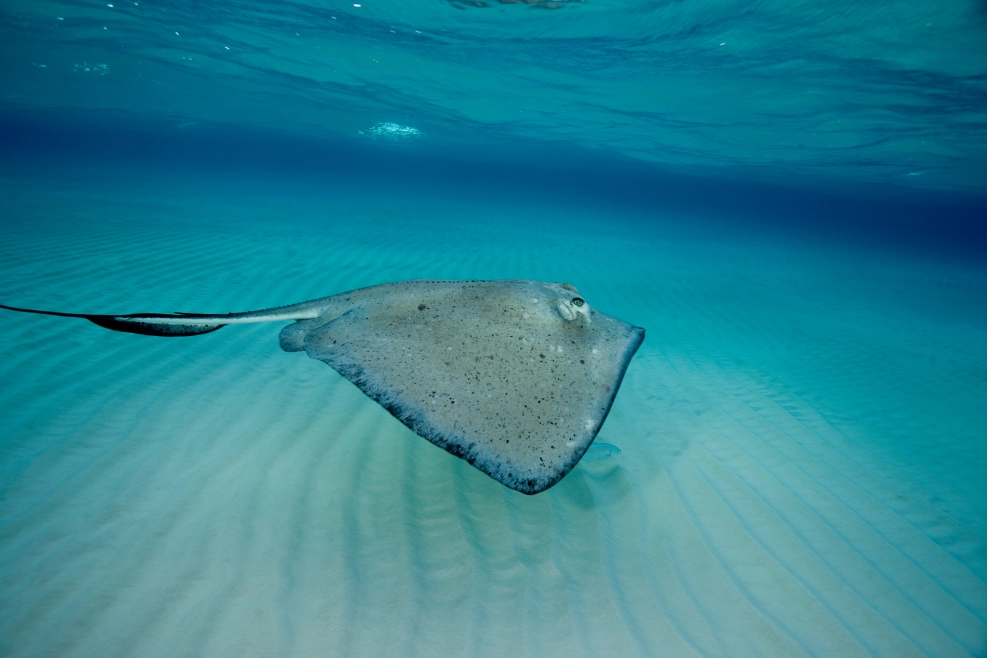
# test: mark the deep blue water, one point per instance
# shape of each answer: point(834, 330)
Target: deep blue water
point(860, 118)
point(947, 223)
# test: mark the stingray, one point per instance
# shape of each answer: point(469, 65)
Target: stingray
point(514, 376)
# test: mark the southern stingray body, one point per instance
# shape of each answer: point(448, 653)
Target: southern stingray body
point(516, 377)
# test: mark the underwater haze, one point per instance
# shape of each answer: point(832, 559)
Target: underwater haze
point(790, 197)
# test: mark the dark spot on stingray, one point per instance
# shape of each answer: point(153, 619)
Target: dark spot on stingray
point(422, 307)
point(583, 361)
point(578, 301)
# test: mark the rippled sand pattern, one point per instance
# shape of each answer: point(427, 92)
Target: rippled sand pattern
point(801, 469)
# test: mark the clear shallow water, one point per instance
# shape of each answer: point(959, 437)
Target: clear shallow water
point(801, 444)
point(795, 216)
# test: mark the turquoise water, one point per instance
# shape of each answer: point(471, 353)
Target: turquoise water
point(847, 94)
point(789, 197)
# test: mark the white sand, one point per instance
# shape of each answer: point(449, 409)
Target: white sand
point(802, 447)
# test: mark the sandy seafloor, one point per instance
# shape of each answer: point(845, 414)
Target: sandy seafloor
point(802, 433)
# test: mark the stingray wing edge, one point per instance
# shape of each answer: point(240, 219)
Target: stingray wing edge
point(459, 446)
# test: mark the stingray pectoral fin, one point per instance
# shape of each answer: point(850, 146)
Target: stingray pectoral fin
point(489, 371)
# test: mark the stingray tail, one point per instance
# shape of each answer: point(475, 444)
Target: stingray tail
point(132, 324)
point(136, 323)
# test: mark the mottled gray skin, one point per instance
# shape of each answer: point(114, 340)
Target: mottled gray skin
point(512, 376)
point(516, 377)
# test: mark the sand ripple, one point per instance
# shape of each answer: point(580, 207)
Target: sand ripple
point(799, 467)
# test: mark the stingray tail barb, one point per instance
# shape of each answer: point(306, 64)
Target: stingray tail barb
point(185, 324)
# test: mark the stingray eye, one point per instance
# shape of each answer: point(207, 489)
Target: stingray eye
point(578, 301)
